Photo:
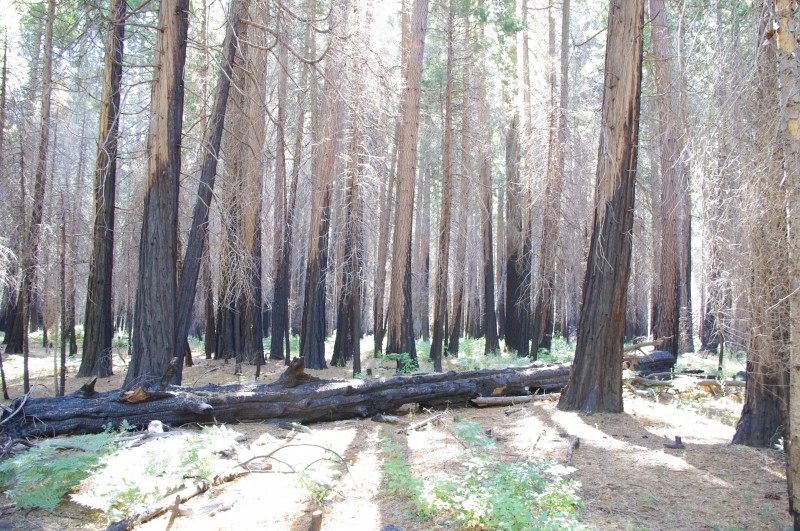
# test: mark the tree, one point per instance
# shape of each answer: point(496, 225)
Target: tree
point(762, 419)
point(443, 255)
point(543, 313)
point(240, 310)
point(312, 330)
point(666, 316)
point(18, 335)
point(155, 309)
point(196, 245)
point(99, 324)
point(788, 28)
point(595, 383)
point(400, 326)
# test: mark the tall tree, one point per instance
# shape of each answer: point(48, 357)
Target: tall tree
point(17, 340)
point(240, 315)
point(155, 309)
point(489, 323)
point(787, 31)
point(400, 326)
point(443, 254)
point(666, 317)
point(196, 244)
point(312, 330)
point(595, 382)
point(280, 298)
point(762, 420)
point(99, 323)
point(543, 316)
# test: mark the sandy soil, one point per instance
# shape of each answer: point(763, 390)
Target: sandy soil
point(629, 479)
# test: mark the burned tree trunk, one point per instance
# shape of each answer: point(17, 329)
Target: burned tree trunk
point(295, 396)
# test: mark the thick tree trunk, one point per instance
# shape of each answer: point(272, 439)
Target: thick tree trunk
point(762, 420)
point(154, 341)
point(400, 326)
point(595, 380)
point(98, 323)
point(295, 396)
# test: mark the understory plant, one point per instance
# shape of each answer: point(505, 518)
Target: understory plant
point(487, 493)
point(42, 476)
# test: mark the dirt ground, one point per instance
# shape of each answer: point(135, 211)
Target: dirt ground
point(628, 478)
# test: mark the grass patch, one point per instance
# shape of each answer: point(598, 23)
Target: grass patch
point(487, 493)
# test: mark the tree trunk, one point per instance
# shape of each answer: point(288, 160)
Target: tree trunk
point(492, 344)
point(154, 341)
point(464, 204)
point(400, 326)
point(443, 254)
point(16, 336)
point(295, 397)
point(544, 311)
point(595, 380)
point(667, 318)
point(517, 303)
point(788, 27)
point(280, 298)
point(763, 416)
point(312, 330)
point(98, 323)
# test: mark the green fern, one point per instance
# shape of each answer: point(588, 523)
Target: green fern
point(42, 476)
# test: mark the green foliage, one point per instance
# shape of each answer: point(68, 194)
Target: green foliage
point(508, 496)
point(318, 492)
point(405, 363)
point(399, 480)
point(148, 473)
point(42, 476)
point(488, 494)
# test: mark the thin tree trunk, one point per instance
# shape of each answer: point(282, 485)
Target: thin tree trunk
point(400, 326)
point(98, 322)
point(18, 342)
point(667, 320)
point(443, 254)
point(197, 242)
point(595, 383)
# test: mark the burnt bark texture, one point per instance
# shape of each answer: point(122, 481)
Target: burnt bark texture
point(312, 330)
point(196, 253)
point(98, 323)
point(595, 383)
point(155, 309)
point(295, 397)
point(400, 327)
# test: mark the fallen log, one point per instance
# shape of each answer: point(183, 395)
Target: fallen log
point(654, 362)
point(310, 401)
point(483, 401)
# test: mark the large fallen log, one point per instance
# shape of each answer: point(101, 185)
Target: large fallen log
point(654, 362)
point(296, 398)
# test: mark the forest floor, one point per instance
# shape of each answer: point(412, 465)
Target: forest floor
point(625, 476)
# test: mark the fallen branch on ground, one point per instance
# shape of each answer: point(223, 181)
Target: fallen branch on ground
point(154, 511)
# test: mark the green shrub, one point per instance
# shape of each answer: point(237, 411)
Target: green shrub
point(43, 475)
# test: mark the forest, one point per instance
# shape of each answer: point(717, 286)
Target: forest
point(401, 187)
